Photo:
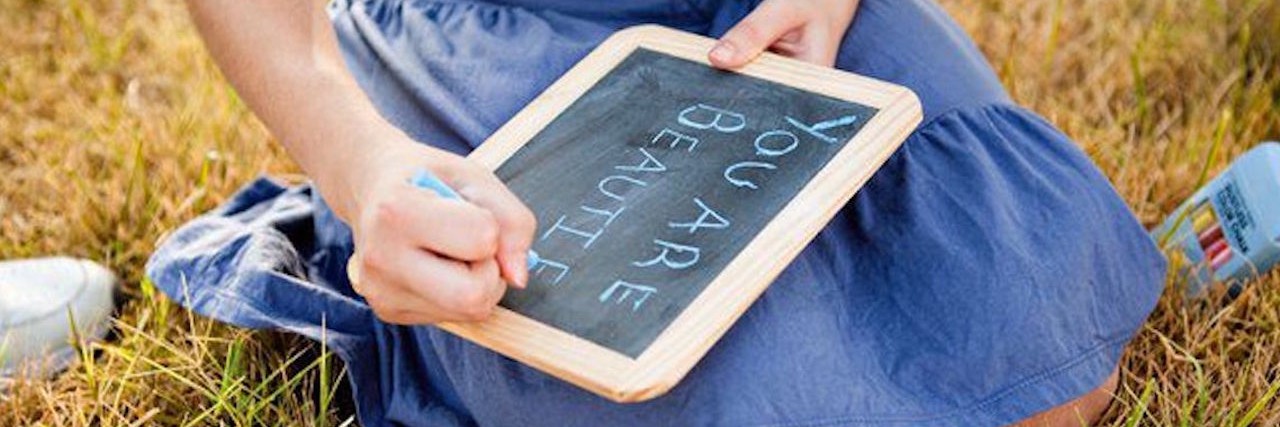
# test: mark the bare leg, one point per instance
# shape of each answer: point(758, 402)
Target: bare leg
point(1082, 411)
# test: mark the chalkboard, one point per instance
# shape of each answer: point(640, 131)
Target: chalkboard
point(643, 148)
point(652, 181)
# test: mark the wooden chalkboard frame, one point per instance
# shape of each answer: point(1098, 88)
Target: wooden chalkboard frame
point(677, 349)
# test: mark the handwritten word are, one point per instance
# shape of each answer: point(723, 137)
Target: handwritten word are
point(672, 255)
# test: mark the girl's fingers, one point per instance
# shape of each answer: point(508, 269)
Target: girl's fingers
point(488, 272)
point(468, 291)
point(810, 31)
point(452, 228)
point(407, 285)
point(516, 224)
point(755, 33)
point(378, 284)
point(816, 49)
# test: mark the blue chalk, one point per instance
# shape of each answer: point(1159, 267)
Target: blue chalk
point(533, 258)
point(423, 178)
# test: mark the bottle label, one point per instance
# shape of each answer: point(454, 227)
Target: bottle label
point(1235, 217)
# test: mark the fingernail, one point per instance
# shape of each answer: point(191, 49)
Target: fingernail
point(722, 53)
point(519, 270)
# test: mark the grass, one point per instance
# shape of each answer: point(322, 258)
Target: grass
point(115, 128)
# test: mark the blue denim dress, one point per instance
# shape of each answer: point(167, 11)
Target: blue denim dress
point(986, 273)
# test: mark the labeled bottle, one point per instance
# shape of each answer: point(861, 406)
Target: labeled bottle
point(1228, 231)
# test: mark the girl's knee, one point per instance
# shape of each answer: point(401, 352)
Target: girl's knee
point(1083, 411)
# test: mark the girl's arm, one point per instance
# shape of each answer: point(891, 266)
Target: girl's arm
point(423, 259)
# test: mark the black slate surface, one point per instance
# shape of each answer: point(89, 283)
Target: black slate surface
point(603, 277)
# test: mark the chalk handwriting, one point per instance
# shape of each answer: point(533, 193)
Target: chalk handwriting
point(675, 137)
point(701, 222)
point(612, 178)
point(560, 226)
point(692, 254)
point(762, 143)
point(817, 128)
point(690, 117)
point(628, 289)
point(543, 264)
point(728, 173)
point(609, 216)
point(634, 174)
point(649, 164)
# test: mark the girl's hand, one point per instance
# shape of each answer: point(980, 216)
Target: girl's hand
point(422, 258)
point(808, 30)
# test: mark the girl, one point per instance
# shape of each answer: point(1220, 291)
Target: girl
point(988, 273)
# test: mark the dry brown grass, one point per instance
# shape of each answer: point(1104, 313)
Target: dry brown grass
point(115, 127)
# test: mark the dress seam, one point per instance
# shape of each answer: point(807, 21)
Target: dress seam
point(964, 108)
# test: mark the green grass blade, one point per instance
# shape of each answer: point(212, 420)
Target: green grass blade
point(1260, 405)
point(1140, 410)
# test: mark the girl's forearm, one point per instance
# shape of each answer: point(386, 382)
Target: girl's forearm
point(282, 57)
